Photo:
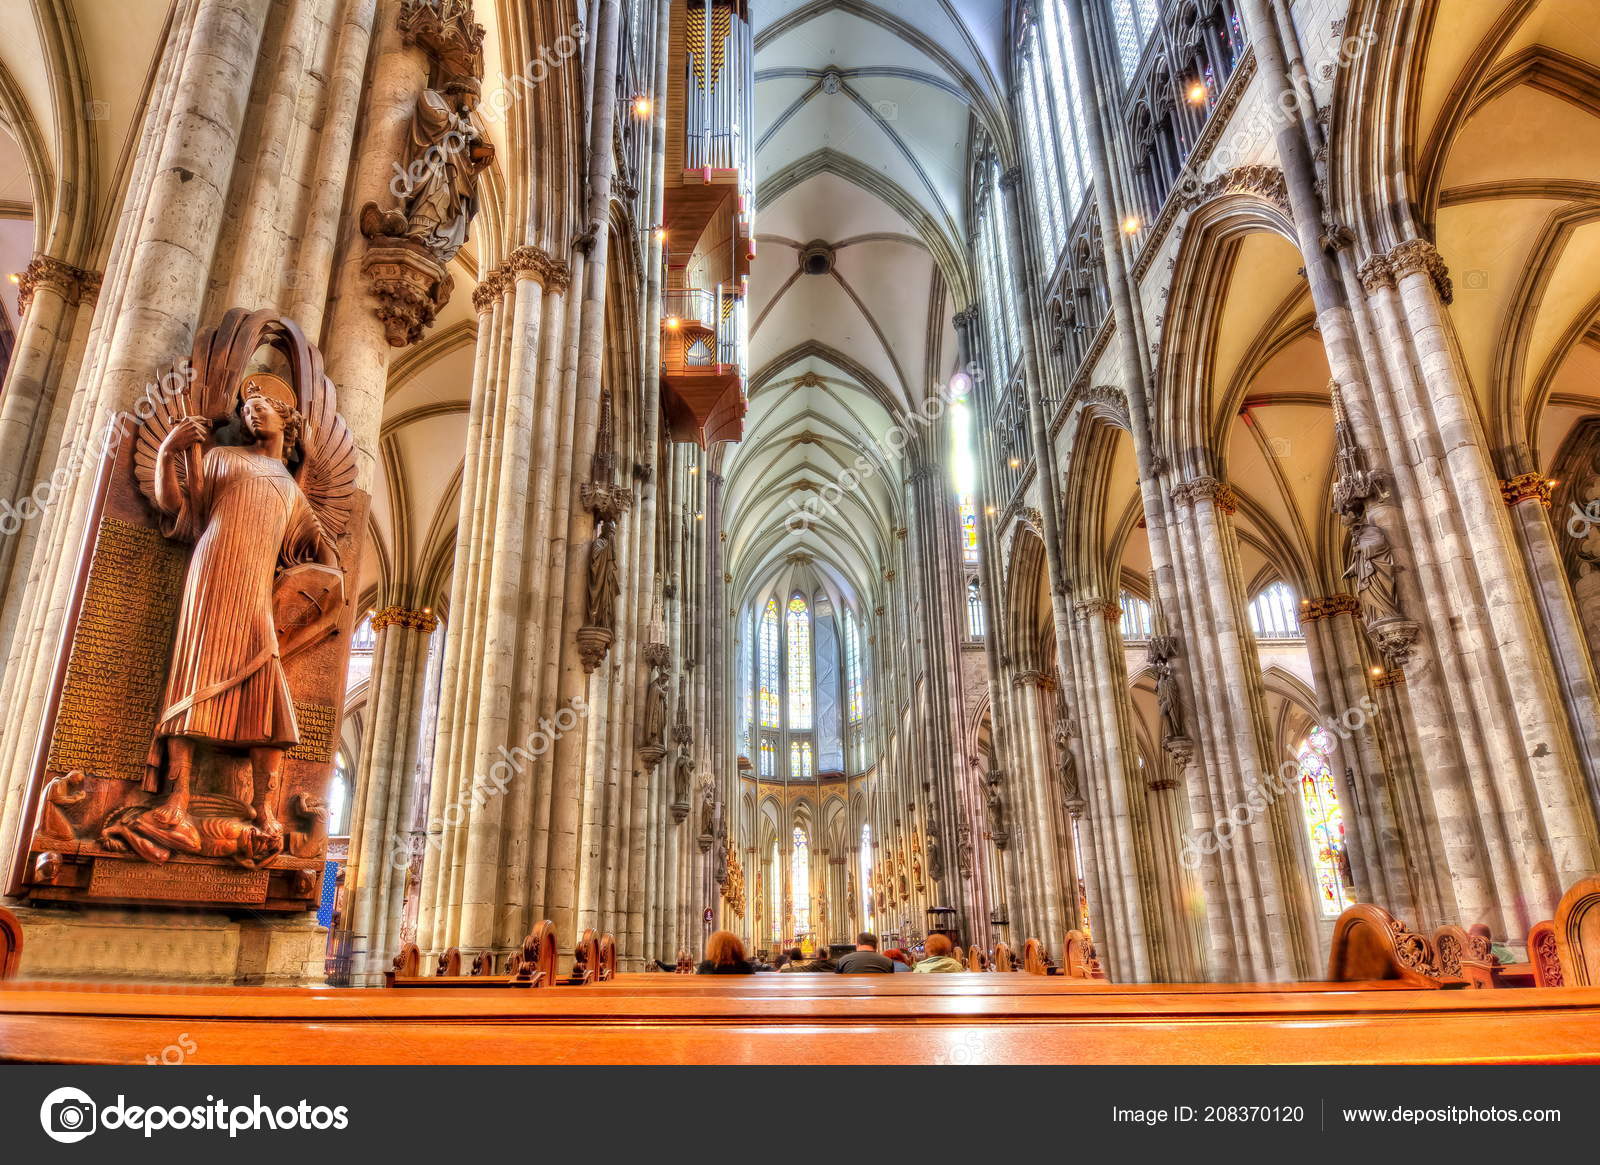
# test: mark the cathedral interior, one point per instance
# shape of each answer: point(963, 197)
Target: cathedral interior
point(519, 489)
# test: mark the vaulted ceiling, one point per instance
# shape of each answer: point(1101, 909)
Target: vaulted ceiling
point(864, 116)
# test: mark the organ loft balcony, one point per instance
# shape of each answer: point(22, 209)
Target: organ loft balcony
point(710, 237)
point(702, 364)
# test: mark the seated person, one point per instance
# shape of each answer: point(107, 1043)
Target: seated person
point(901, 960)
point(725, 956)
point(865, 959)
point(793, 960)
point(940, 959)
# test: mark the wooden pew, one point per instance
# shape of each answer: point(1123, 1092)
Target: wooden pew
point(10, 944)
point(1004, 960)
point(1544, 959)
point(594, 960)
point(533, 966)
point(766, 1019)
point(1078, 958)
point(977, 958)
point(1370, 943)
point(685, 963)
point(1035, 959)
point(1577, 931)
point(1467, 957)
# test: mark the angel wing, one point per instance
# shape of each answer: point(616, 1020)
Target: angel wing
point(169, 401)
point(327, 473)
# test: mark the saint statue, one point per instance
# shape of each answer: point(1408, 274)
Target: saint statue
point(682, 777)
point(1168, 701)
point(1373, 568)
point(447, 151)
point(655, 708)
point(604, 582)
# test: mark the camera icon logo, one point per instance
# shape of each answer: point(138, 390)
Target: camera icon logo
point(68, 1115)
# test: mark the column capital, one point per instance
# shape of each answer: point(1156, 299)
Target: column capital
point(1033, 678)
point(966, 318)
point(529, 262)
point(1525, 487)
point(1086, 609)
point(1327, 606)
point(1206, 488)
point(424, 620)
point(489, 290)
point(69, 282)
point(1375, 273)
point(1010, 178)
point(1418, 256)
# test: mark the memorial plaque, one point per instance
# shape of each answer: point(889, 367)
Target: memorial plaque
point(178, 882)
point(118, 660)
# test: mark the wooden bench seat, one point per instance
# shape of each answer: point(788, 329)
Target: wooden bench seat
point(771, 1019)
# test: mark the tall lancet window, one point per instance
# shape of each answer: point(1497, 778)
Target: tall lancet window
point(801, 765)
point(974, 609)
point(769, 665)
point(769, 755)
point(852, 653)
point(799, 665)
point(1324, 820)
point(1134, 20)
point(800, 882)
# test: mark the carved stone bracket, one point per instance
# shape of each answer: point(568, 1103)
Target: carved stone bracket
point(1396, 640)
point(411, 286)
point(606, 500)
point(592, 645)
point(1180, 749)
point(1263, 181)
point(657, 655)
point(447, 32)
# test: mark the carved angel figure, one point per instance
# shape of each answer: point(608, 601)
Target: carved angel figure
point(260, 477)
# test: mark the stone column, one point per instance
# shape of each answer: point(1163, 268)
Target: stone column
point(381, 805)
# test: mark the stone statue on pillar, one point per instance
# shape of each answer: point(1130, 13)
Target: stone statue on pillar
point(411, 244)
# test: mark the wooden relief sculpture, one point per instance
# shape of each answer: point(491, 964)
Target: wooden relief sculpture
point(197, 709)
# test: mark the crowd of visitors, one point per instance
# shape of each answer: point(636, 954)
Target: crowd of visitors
point(725, 955)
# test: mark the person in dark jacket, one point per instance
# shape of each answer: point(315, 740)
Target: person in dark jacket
point(725, 956)
point(865, 959)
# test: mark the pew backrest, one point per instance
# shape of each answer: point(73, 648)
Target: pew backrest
point(1004, 960)
point(1078, 960)
point(1369, 943)
point(1577, 930)
point(1034, 959)
point(483, 964)
point(1543, 956)
point(977, 958)
point(536, 965)
point(10, 944)
point(449, 963)
point(586, 957)
point(608, 958)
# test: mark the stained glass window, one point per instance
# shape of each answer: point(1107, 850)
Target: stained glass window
point(1274, 613)
point(1134, 20)
point(800, 882)
point(769, 758)
point(1083, 888)
point(799, 664)
point(769, 665)
point(969, 529)
point(852, 662)
point(1319, 803)
point(339, 798)
point(800, 759)
point(747, 658)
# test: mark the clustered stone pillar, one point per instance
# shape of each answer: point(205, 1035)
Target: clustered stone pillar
point(382, 808)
